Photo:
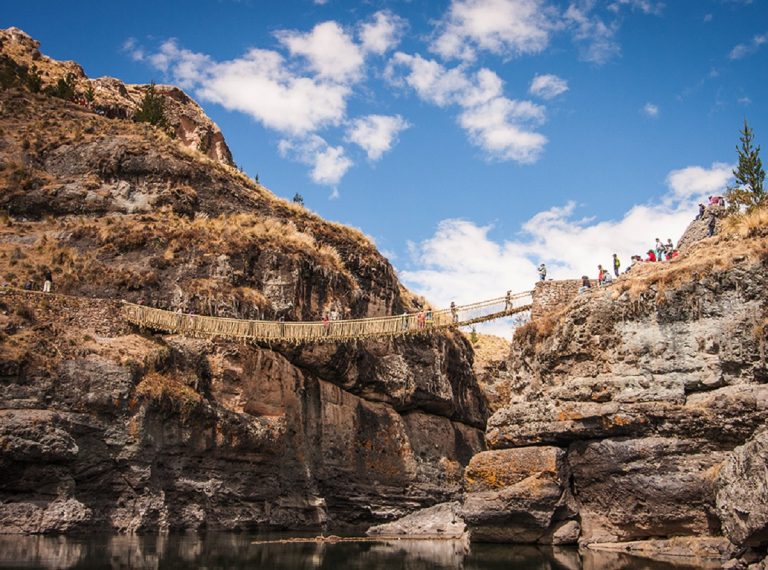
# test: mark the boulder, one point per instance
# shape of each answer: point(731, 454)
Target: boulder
point(742, 493)
point(443, 520)
point(634, 489)
point(518, 495)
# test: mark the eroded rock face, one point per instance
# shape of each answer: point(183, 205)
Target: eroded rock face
point(645, 398)
point(519, 495)
point(222, 438)
point(742, 493)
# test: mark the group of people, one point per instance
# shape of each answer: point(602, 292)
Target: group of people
point(328, 316)
point(715, 203)
point(660, 252)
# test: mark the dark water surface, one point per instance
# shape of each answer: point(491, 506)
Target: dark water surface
point(225, 550)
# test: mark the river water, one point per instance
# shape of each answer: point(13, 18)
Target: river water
point(229, 550)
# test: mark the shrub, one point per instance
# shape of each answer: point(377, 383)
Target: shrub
point(64, 88)
point(151, 109)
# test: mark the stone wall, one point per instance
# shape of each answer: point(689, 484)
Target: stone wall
point(549, 296)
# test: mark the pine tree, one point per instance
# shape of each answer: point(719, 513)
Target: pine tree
point(750, 176)
point(151, 109)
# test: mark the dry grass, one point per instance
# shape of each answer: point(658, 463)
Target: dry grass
point(715, 254)
point(748, 225)
point(168, 389)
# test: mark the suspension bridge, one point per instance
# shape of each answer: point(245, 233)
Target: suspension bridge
point(327, 330)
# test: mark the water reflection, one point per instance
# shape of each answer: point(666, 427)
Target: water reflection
point(226, 550)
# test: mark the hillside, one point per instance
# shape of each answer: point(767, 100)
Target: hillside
point(104, 426)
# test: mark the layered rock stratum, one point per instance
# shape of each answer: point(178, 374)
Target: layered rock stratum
point(105, 426)
point(636, 413)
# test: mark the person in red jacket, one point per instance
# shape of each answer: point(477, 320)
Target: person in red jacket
point(651, 255)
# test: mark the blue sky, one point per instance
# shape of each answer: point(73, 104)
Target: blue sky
point(471, 139)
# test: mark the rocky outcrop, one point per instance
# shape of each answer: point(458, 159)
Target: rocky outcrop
point(441, 521)
point(698, 229)
point(641, 394)
point(520, 495)
point(117, 100)
point(742, 493)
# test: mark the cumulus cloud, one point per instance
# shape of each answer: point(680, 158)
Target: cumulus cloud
point(497, 128)
point(748, 48)
point(329, 163)
point(298, 91)
point(503, 27)
point(501, 127)
point(697, 182)
point(383, 33)
point(651, 110)
point(464, 262)
point(548, 86)
point(329, 50)
point(376, 134)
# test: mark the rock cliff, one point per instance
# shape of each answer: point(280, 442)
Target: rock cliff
point(637, 412)
point(104, 426)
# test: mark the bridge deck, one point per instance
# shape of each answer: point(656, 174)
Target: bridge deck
point(319, 331)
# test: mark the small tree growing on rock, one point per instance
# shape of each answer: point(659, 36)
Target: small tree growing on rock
point(750, 176)
point(151, 109)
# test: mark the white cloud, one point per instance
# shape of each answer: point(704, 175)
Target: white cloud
point(744, 100)
point(503, 27)
point(383, 33)
point(748, 48)
point(376, 134)
point(329, 163)
point(330, 51)
point(651, 110)
point(548, 86)
point(696, 182)
point(645, 6)
point(595, 38)
point(498, 125)
point(496, 128)
point(297, 95)
point(463, 262)
point(131, 47)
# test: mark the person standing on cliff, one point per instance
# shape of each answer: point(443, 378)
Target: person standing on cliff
point(542, 272)
point(711, 225)
point(616, 265)
point(454, 312)
point(702, 209)
point(48, 281)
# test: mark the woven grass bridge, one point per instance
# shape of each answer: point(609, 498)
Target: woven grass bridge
point(325, 331)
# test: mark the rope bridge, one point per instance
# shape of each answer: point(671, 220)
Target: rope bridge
point(325, 331)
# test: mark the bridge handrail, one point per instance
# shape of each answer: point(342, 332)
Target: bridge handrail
point(390, 325)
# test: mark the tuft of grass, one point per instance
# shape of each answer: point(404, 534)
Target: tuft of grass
point(752, 224)
point(168, 389)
